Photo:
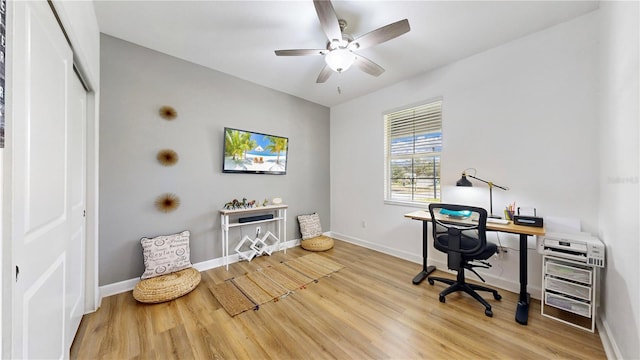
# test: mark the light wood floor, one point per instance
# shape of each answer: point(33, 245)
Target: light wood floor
point(368, 310)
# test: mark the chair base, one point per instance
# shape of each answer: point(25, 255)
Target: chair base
point(457, 285)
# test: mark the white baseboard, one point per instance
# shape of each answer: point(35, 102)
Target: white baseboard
point(608, 342)
point(128, 285)
point(405, 255)
point(117, 288)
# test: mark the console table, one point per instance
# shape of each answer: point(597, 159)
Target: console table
point(280, 217)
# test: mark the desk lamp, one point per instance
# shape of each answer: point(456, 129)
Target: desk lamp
point(465, 182)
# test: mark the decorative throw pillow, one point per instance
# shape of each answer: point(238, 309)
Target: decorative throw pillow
point(310, 226)
point(165, 254)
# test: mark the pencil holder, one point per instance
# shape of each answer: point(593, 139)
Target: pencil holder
point(508, 215)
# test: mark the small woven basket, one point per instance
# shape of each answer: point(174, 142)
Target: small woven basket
point(166, 287)
point(319, 243)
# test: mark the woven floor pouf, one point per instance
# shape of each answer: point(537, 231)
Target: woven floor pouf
point(318, 243)
point(166, 287)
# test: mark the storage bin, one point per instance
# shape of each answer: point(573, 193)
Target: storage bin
point(567, 304)
point(569, 272)
point(569, 288)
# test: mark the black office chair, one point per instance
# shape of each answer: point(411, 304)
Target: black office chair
point(460, 231)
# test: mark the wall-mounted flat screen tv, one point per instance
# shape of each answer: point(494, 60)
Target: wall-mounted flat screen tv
point(254, 153)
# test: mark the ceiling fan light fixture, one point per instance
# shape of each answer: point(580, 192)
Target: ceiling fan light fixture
point(340, 60)
point(340, 52)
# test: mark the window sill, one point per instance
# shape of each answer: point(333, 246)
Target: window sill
point(420, 205)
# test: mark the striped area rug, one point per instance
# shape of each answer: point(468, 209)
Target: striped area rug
point(249, 291)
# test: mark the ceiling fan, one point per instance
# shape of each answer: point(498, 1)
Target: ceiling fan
point(340, 52)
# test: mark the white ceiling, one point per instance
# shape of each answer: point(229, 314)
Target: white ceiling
point(239, 37)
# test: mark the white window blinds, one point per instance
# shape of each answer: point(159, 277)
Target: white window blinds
point(413, 144)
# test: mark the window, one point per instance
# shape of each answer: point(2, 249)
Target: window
point(413, 146)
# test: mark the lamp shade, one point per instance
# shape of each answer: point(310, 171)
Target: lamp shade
point(463, 181)
point(340, 59)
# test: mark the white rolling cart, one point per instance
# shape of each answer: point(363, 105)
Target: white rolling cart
point(570, 267)
point(570, 286)
point(258, 245)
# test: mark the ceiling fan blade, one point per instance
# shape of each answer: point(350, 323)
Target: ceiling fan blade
point(380, 35)
point(328, 19)
point(301, 52)
point(368, 66)
point(324, 74)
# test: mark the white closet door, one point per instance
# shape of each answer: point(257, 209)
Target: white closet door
point(44, 203)
point(76, 246)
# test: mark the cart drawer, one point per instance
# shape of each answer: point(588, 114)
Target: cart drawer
point(569, 272)
point(567, 304)
point(569, 288)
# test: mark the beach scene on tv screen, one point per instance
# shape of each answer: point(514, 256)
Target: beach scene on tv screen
point(247, 151)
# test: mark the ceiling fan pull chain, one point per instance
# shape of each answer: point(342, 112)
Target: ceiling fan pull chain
point(339, 78)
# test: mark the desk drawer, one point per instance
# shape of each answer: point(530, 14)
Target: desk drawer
point(571, 305)
point(569, 288)
point(569, 272)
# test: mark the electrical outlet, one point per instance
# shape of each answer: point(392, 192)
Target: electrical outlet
point(364, 224)
point(502, 252)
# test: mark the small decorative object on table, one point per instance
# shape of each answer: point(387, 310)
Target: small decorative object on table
point(312, 238)
point(235, 204)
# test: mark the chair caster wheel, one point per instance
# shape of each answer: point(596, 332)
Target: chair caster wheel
point(488, 312)
point(431, 282)
point(497, 296)
point(441, 298)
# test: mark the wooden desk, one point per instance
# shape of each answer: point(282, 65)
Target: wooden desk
point(522, 309)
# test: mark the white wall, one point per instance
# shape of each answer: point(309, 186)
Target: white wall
point(136, 82)
point(523, 114)
point(618, 178)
